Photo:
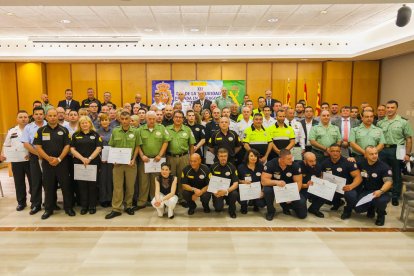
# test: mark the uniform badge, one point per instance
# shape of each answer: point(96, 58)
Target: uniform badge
point(339, 169)
point(92, 137)
point(389, 172)
point(60, 133)
point(158, 133)
point(258, 174)
point(131, 135)
point(355, 166)
point(289, 174)
point(374, 175)
point(227, 173)
point(265, 168)
point(277, 176)
point(364, 174)
point(230, 139)
point(201, 176)
point(197, 129)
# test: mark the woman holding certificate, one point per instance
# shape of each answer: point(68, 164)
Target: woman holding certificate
point(165, 189)
point(250, 172)
point(85, 147)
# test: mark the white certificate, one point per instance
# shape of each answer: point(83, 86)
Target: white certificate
point(297, 153)
point(209, 158)
point(14, 154)
point(322, 188)
point(288, 193)
point(152, 166)
point(250, 191)
point(119, 155)
point(365, 199)
point(339, 181)
point(105, 153)
point(218, 183)
point(400, 152)
point(87, 173)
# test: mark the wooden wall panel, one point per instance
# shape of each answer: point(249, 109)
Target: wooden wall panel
point(109, 79)
point(208, 71)
point(365, 82)
point(134, 81)
point(259, 79)
point(183, 71)
point(337, 80)
point(31, 83)
point(156, 71)
point(311, 72)
point(83, 77)
point(234, 71)
point(281, 72)
point(58, 80)
point(8, 97)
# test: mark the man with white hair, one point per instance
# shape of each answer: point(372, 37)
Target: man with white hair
point(185, 105)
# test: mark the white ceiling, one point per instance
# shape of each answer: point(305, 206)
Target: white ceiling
point(190, 31)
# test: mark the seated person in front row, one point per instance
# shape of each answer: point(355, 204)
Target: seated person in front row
point(376, 179)
point(279, 172)
point(194, 179)
point(165, 189)
point(225, 169)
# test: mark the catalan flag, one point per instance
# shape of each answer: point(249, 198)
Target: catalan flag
point(288, 96)
point(305, 93)
point(318, 101)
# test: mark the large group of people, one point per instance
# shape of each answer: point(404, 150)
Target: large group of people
point(274, 144)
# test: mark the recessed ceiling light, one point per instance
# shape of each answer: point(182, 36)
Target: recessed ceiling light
point(10, 14)
point(194, 30)
point(65, 21)
point(272, 20)
point(324, 12)
point(148, 30)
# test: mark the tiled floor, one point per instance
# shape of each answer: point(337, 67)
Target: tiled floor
point(202, 244)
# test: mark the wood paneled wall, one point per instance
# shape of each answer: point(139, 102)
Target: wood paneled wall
point(341, 82)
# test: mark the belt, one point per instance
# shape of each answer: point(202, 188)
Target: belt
point(176, 155)
point(390, 146)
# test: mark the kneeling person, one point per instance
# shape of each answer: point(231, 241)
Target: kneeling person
point(165, 192)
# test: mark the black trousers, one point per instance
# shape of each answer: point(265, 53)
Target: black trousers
point(105, 182)
point(204, 198)
point(88, 193)
point(299, 206)
point(36, 182)
point(20, 171)
point(61, 174)
point(232, 197)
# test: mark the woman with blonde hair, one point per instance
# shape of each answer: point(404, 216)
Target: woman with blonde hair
point(85, 147)
point(205, 117)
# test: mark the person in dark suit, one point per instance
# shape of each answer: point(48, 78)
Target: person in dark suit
point(91, 98)
point(138, 101)
point(205, 103)
point(345, 123)
point(307, 125)
point(69, 102)
point(269, 101)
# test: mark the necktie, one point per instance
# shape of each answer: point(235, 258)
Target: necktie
point(346, 130)
point(202, 104)
point(67, 104)
point(268, 102)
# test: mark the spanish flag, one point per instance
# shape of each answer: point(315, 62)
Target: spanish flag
point(318, 101)
point(305, 93)
point(288, 92)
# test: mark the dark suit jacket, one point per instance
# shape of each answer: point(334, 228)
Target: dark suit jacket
point(74, 105)
point(338, 123)
point(141, 104)
point(303, 122)
point(272, 102)
point(206, 105)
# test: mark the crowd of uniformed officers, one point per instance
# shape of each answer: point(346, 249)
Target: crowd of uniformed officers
point(274, 144)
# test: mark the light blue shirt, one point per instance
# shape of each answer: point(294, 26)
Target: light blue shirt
point(29, 132)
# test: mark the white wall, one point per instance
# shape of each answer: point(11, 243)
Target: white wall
point(397, 82)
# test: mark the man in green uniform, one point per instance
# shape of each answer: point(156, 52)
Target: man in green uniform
point(322, 136)
point(397, 133)
point(364, 135)
point(152, 143)
point(124, 136)
point(223, 101)
point(181, 144)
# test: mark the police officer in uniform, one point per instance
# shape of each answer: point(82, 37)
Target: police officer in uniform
point(340, 166)
point(279, 172)
point(213, 126)
point(152, 143)
point(181, 144)
point(283, 135)
point(124, 136)
point(376, 180)
point(397, 132)
point(225, 138)
point(323, 135)
point(53, 143)
point(198, 132)
point(366, 134)
point(20, 169)
point(223, 168)
point(256, 137)
point(194, 179)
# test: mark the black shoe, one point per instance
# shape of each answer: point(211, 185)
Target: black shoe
point(70, 212)
point(184, 204)
point(256, 209)
point(232, 214)
point(207, 210)
point(317, 213)
point(57, 208)
point(34, 210)
point(83, 211)
point(335, 207)
point(243, 210)
point(92, 210)
point(191, 211)
point(286, 212)
point(171, 217)
point(20, 207)
point(345, 215)
point(130, 211)
point(47, 214)
point(371, 213)
point(136, 208)
point(270, 216)
point(395, 202)
point(113, 214)
point(380, 220)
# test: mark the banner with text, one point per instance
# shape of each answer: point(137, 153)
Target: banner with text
point(212, 88)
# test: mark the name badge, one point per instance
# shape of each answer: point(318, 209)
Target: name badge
point(46, 138)
point(364, 174)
